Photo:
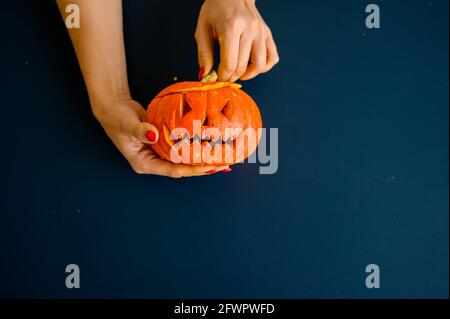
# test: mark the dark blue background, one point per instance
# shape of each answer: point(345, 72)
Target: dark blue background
point(363, 170)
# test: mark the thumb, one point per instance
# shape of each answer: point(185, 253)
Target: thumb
point(205, 47)
point(145, 132)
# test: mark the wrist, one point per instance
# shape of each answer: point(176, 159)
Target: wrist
point(104, 92)
point(101, 104)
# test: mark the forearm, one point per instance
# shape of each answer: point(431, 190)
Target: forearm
point(100, 49)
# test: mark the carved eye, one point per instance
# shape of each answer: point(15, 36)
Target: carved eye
point(185, 108)
point(226, 110)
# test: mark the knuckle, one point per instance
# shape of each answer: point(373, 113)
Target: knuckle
point(229, 67)
point(262, 30)
point(136, 132)
point(241, 70)
point(254, 25)
point(260, 66)
point(235, 23)
point(202, 55)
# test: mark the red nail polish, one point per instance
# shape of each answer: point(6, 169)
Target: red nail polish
point(227, 170)
point(211, 171)
point(151, 136)
point(200, 73)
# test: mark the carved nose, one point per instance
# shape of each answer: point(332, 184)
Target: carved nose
point(206, 121)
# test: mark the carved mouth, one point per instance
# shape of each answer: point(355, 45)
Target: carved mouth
point(231, 141)
point(210, 141)
point(210, 149)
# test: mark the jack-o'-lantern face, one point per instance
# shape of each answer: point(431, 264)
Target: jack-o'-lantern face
point(212, 123)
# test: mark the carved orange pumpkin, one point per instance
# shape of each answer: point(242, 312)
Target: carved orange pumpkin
point(215, 118)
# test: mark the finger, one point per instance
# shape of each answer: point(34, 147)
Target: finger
point(245, 48)
point(229, 52)
point(272, 54)
point(153, 165)
point(144, 132)
point(181, 170)
point(258, 60)
point(205, 46)
point(132, 120)
point(147, 133)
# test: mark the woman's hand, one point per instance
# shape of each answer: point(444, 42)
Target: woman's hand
point(246, 44)
point(100, 50)
point(124, 122)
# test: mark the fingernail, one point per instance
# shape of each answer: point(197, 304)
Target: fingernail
point(200, 73)
point(211, 171)
point(227, 170)
point(151, 136)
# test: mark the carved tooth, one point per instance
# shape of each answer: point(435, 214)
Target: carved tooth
point(167, 135)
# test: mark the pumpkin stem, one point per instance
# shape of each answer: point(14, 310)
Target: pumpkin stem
point(210, 77)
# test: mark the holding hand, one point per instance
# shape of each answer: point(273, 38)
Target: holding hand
point(124, 122)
